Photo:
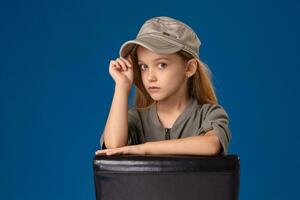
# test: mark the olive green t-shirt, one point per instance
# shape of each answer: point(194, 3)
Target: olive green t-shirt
point(196, 119)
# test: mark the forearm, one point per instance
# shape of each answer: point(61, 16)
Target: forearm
point(116, 128)
point(194, 145)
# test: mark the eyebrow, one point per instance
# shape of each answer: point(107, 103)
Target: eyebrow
point(160, 58)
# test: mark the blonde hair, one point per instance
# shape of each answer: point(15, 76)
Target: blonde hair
point(199, 86)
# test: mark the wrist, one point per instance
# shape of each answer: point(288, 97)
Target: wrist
point(145, 148)
point(124, 88)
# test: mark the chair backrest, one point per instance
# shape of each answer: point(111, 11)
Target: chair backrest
point(166, 177)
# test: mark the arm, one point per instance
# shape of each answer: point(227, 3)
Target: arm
point(207, 144)
point(116, 128)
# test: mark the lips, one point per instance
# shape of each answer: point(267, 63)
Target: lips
point(153, 87)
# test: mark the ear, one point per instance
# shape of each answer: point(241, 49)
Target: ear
point(191, 67)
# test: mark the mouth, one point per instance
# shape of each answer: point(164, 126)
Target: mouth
point(153, 89)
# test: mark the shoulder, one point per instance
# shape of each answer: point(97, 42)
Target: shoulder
point(134, 112)
point(210, 107)
point(139, 111)
point(213, 110)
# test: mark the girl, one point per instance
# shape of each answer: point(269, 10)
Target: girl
point(176, 110)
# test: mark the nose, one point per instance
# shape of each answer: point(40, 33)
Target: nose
point(151, 75)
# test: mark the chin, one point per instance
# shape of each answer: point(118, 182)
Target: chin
point(155, 97)
point(158, 97)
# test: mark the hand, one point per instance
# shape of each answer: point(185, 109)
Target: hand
point(121, 70)
point(131, 149)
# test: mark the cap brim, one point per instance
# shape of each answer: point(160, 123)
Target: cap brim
point(153, 44)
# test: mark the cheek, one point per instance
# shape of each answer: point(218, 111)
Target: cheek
point(173, 77)
point(175, 82)
point(144, 78)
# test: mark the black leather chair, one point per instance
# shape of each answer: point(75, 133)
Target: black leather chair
point(166, 177)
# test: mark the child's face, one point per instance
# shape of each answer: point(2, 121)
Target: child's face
point(165, 72)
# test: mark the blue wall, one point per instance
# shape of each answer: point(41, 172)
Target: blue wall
point(56, 90)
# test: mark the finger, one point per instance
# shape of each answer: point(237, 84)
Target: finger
point(109, 152)
point(115, 64)
point(121, 62)
point(101, 151)
point(113, 152)
point(126, 61)
point(129, 58)
point(98, 153)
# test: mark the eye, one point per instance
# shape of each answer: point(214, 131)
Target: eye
point(162, 65)
point(142, 67)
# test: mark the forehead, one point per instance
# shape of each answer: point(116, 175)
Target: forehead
point(145, 54)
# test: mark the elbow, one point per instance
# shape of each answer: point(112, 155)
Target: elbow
point(215, 147)
point(216, 150)
point(113, 145)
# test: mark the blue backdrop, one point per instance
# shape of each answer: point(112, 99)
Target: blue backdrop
point(56, 90)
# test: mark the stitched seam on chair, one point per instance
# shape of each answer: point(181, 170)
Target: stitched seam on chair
point(232, 172)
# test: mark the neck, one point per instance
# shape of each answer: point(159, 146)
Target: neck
point(175, 103)
point(172, 105)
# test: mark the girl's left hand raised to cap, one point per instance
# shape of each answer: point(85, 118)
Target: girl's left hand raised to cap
point(131, 149)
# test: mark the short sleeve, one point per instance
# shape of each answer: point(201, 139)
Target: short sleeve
point(133, 126)
point(102, 143)
point(133, 120)
point(215, 118)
